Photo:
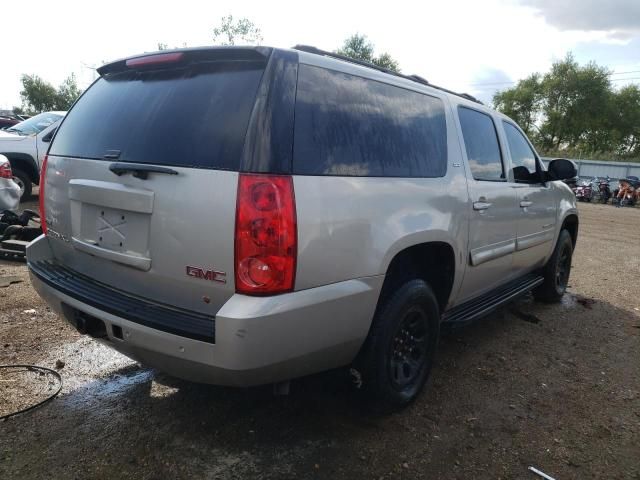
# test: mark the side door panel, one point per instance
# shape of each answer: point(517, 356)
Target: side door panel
point(491, 238)
point(493, 207)
point(536, 226)
point(537, 214)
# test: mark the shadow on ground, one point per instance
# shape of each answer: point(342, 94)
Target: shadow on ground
point(512, 390)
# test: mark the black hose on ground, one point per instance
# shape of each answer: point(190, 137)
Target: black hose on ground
point(49, 398)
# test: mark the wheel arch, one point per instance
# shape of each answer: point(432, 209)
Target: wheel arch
point(571, 223)
point(432, 261)
point(26, 163)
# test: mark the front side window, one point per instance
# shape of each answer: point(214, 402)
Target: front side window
point(481, 144)
point(352, 126)
point(523, 158)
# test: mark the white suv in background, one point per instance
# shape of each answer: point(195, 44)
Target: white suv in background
point(9, 191)
point(25, 145)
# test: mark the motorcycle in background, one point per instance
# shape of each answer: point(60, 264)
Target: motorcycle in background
point(604, 187)
point(628, 193)
point(584, 191)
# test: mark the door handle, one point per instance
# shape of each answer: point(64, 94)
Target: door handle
point(481, 205)
point(525, 203)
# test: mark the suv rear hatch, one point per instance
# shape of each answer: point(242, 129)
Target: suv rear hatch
point(141, 179)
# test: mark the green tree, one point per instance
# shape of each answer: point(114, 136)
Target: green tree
point(626, 131)
point(385, 60)
point(39, 95)
point(231, 31)
point(359, 47)
point(574, 110)
point(522, 102)
point(576, 106)
point(68, 92)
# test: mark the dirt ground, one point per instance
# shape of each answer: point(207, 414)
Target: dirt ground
point(555, 387)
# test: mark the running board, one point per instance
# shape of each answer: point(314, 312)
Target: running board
point(481, 306)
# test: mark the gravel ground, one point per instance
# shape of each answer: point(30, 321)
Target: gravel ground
point(556, 387)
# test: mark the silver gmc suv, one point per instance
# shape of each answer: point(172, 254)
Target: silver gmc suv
point(243, 216)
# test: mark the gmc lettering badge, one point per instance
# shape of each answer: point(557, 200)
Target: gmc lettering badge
point(210, 275)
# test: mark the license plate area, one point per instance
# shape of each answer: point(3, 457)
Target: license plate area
point(112, 221)
point(113, 229)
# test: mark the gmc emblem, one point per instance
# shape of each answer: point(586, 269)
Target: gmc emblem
point(210, 275)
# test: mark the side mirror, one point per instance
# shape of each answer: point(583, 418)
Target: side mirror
point(47, 138)
point(561, 169)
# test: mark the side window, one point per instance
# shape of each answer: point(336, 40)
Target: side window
point(47, 138)
point(523, 159)
point(351, 126)
point(481, 143)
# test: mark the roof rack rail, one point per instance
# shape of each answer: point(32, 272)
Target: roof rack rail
point(413, 78)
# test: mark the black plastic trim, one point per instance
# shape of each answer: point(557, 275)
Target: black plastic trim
point(135, 309)
point(481, 306)
point(268, 146)
point(139, 170)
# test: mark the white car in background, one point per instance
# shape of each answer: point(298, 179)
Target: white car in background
point(9, 190)
point(25, 145)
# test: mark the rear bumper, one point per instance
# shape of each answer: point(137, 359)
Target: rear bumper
point(258, 340)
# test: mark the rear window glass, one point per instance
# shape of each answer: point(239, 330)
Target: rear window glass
point(348, 125)
point(193, 117)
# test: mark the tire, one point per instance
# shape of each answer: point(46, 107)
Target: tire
point(397, 357)
point(556, 272)
point(24, 181)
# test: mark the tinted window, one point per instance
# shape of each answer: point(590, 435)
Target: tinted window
point(195, 116)
point(522, 156)
point(348, 125)
point(481, 143)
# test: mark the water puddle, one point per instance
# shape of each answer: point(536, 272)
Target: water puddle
point(95, 372)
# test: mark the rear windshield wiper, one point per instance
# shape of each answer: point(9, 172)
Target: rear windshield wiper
point(139, 170)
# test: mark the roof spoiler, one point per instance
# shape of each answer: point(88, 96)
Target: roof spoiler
point(183, 56)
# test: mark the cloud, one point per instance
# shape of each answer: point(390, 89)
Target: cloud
point(487, 81)
point(513, 36)
point(621, 18)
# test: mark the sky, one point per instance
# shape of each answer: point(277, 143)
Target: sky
point(472, 46)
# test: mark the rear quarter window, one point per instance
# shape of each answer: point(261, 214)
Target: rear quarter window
point(194, 116)
point(351, 126)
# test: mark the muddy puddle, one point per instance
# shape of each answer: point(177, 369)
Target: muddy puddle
point(90, 372)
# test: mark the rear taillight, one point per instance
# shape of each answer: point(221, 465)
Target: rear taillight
point(266, 236)
point(43, 176)
point(5, 170)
